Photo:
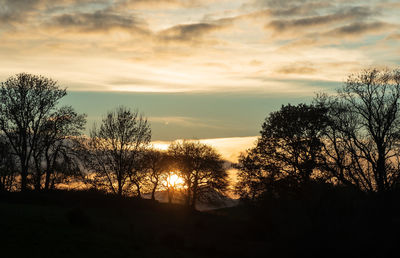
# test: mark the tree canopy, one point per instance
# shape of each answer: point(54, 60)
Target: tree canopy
point(28, 105)
point(202, 170)
point(113, 150)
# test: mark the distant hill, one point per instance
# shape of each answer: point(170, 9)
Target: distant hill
point(222, 202)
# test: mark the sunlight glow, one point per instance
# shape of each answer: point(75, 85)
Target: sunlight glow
point(196, 46)
point(160, 145)
point(229, 148)
point(174, 181)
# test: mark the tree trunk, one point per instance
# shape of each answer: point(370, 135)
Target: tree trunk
point(169, 195)
point(188, 197)
point(53, 183)
point(24, 175)
point(47, 180)
point(194, 192)
point(139, 194)
point(38, 176)
point(193, 204)
point(153, 192)
point(380, 174)
point(48, 171)
point(119, 187)
point(189, 193)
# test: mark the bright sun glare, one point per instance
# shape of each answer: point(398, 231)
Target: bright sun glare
point(174, 180)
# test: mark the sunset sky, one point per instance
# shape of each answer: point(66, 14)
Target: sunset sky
point(196, 68)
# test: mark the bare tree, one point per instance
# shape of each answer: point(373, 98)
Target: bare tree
point(202, 170)
point(157, 163)
point(113, 148)
point(362, 143)
point(56, 144)
point(26, 103)
point(65, 166)
point(8, 166)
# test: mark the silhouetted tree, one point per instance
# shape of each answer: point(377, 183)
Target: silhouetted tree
point(138, 176)
point(257, 176)
point(67, 167)
point(113, 148)
point(26, 104)
point(287, 153)
point(8, 166)
point(157, 163)
point(172, 186)
point(363, 136)
point(202, 170)
point(58, 143)
point(292, 137)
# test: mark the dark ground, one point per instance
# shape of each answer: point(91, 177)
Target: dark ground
point(91, 224)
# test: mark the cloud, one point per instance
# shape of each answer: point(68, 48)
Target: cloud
point(288, 8)
point(194, 33)
point(19, 11)
point(306, 9)
point(195, 45)
point(354, 13)
point(99, 21)
point(16, 10)
point(255, 62)
point(279, 4)
point(393, 36)
point(188, 32)
point(391, 5)
point(182, 121)
point(146, 84)
point(158, 4)
point(359, 28)
point(276, 3)
point(297, 69)
point(229, 148)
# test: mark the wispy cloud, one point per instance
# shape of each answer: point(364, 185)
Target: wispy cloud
point(95, 22)
point(188, 32)
point(182, 121)
point(193, 45)
point(359, 28)
point(353, 13)
point(229, 148)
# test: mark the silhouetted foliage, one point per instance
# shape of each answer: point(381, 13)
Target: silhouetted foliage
point(362, 140)
point(157, 164)
point(287, 153)
point(309, 180)
point(113, 150)
point(292, 137)
point(258, 176)
point(8, 166)
point(173, 188)
point(202, 170)
point(27, 104)
point(55, 155)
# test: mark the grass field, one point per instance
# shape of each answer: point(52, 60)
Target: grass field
point(89, 224)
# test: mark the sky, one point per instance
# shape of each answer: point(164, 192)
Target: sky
point(200, 69)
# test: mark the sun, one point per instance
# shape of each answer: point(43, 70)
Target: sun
point(175, 181)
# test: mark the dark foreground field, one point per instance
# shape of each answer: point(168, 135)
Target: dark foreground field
point(89, 224)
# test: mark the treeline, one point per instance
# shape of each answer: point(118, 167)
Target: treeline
point(42, 148)
point(349, 140)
